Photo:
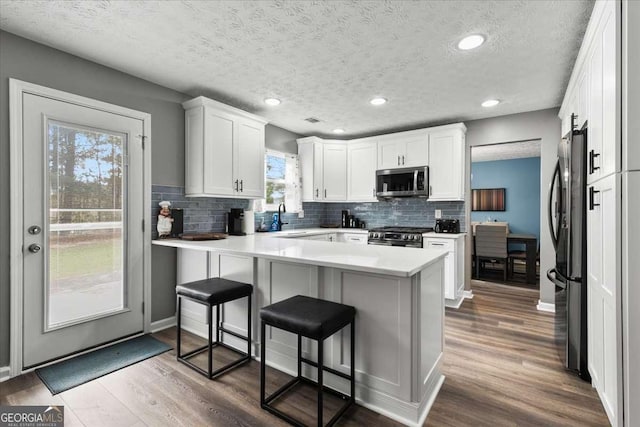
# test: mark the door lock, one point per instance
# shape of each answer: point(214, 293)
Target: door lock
point(34, 229)
point(34, 248)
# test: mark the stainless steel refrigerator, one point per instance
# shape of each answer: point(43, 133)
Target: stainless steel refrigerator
point(568, 226)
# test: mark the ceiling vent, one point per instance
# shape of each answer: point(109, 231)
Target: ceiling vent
point(311, 120)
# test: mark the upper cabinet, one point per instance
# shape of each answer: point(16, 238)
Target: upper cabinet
point(403, 149)
point(446, 164)
point(339, 171)
point(362, 162)
point(323, 167)
point(224, 151)
point(593, 93)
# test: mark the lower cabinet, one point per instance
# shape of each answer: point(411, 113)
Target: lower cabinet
point(453, 267)
point(603, 293)
point(355, 238)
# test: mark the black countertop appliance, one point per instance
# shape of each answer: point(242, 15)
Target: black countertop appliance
point(447, 226)
point(235, 220)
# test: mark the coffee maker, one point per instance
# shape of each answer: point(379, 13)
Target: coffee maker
point(235, 221)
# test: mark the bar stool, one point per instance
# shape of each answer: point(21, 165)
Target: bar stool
point(214, 292)
point(316, 319)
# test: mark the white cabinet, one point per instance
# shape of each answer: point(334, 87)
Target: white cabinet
point(453, 266)
point(334, 172)
point(326, 237)
point(604, 299)
point(354, 238)
point(603, 143)
point(224, 151)
point(362, 159)
point(323, 166)
point(405, 149)
point(446, 165)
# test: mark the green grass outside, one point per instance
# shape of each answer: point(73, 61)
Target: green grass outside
point(96, 257)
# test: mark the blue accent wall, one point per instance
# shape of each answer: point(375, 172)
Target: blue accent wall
point(521, 178)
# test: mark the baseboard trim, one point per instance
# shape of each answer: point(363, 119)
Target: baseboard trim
point(468, 294)
point(546, 307)
point(162, 324)
point(454, 303)
point(5, 373)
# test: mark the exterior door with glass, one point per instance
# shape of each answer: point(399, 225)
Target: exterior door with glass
point(83, 172)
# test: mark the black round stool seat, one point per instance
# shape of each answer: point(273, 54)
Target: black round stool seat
point(309, 317)
point(214, 291)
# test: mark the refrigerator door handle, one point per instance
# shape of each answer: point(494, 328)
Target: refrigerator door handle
point(553, 278)
point(556, 175)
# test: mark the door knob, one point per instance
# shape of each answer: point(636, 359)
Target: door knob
point(34, 229)
point(34, 248)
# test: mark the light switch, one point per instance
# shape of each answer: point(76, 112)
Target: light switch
point(438, 214)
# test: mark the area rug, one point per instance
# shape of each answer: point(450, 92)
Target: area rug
point(87, 367)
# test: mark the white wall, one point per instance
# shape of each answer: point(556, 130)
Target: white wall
point(543, 125)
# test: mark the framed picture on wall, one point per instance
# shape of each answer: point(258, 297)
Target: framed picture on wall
point(488, 199)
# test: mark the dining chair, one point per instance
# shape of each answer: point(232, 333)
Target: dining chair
point(491, 245)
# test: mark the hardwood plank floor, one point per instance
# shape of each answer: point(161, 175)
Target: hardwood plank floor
point(500, 364)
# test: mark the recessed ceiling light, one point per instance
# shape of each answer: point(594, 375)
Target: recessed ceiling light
point(471, 42)
point(338, 130)
point(490, 103)
point(272, 101)
point(378, 101)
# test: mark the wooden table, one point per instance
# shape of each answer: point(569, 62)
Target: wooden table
point(531, 243)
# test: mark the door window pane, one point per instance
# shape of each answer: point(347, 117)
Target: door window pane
point(86, 208)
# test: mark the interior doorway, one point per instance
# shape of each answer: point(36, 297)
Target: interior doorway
point(505, 213)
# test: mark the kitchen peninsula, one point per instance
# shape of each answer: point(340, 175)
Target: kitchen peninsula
point(397, 292)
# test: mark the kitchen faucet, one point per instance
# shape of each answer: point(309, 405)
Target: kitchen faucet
point(284, 210)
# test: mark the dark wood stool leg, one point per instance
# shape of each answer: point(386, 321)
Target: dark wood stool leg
point(209, 343)
point(320, 380)
point(353, 360)
point(263, 359)
point(178, 331)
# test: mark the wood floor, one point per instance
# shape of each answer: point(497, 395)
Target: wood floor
point(500, 365)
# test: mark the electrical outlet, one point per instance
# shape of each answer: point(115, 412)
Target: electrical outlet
point(301, 214)
point(438, 214)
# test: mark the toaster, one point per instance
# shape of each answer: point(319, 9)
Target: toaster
point(447, 226)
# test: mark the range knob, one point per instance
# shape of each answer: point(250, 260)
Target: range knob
point(411, 237)
point(376, 235)
point(405, 237)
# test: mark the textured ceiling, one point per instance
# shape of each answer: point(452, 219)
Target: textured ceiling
point(512, 150)
point(327, 59)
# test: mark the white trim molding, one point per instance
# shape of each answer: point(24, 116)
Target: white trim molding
point(546, 307)
point(4, 373)
point(162, 324)
point(17, 89)
point(468, 294)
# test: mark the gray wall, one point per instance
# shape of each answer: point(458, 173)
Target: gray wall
point(543, 125)
point(35, 63)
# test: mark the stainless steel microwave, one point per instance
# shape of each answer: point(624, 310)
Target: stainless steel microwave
point(402, 182)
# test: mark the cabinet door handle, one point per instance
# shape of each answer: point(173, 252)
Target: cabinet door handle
point(592, 166)
point(398, 160)
point(241, 186)
point(374, 192)
point(403, 160)
point(592, 193)
point(236, 182)
point(430, 190)
point(325, 193)
point(317, 194)
point(437, 244)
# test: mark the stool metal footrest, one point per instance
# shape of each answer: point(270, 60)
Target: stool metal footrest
point(219, 330)
point(265, 401)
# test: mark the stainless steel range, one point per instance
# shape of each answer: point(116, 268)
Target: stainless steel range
point(398, 236)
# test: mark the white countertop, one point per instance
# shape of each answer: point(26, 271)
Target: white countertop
point(393, 261)
point(314, 232)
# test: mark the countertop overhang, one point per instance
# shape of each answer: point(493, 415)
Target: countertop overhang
point(392, 261)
